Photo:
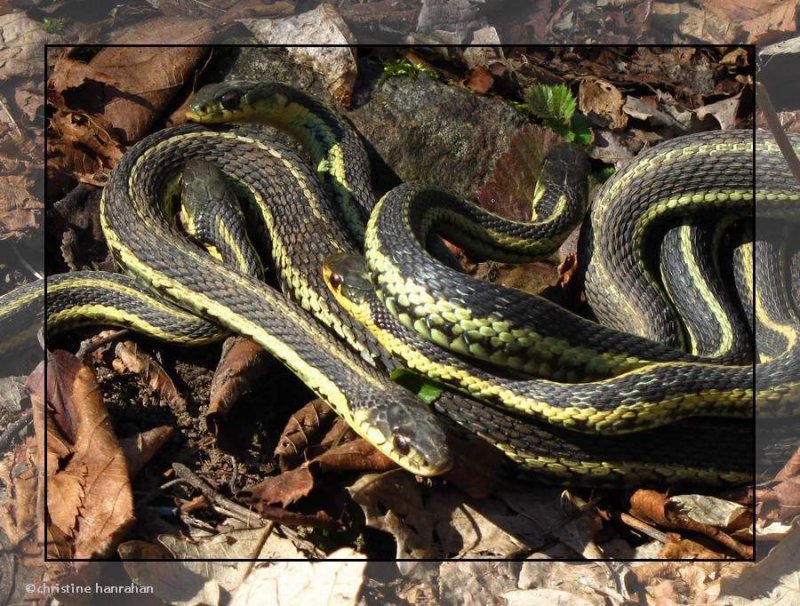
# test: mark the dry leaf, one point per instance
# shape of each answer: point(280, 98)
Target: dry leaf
point(242, 362)
point(139, 449)
point(355, 455)
point(283, 489)
point(485, 49)
point(519, 597)
point(123, 89)
point(18, 505)
point(177, 31)
point(302, 428)
point(109, 103)
point(603, 99)
point(89, 499)
point(301, 583)
point(479, 582)
point(769, 20)
point(479, 80)
point(587, 581)
point(783, 492)
point(710, 23)
point(19, 207)
point(393, 502)
point(244, 544)
point(724, 111)
point(132, 359)
point(184, 583)
point(773, 580)
point(258, 9)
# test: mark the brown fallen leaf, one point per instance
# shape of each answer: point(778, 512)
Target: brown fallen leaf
point(91, 149)
point(177, 30)
point(19, 208)
point(711, 23)
point(770, 21)
point(780, 499)
point(111, 101)
point(139, 449)
point(23, 42)
point(686, 549)
point(394, 503)
point(509, 191)
point(89, 499)
point(355, 455)
point(290, 486)
point(242, 362)
point(131, 358)
point(479, 80)
point(677, 582)
point(18, 507)
point(724, 111)
point(259, 9)
point(283, 489)
point(602, 99)
point(301, 430)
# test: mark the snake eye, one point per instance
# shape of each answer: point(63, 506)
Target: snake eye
point(230, 100)
point(401, 445)
point(336, 280)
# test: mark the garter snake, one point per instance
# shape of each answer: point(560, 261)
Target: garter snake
point(633, 382)
point(146, 245)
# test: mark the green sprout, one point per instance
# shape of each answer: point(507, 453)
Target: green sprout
point(403, 68)
point(556, 106)
point(54, 26)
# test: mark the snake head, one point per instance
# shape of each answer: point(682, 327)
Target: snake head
point(405, 430)
point(347, 277)
point(239, 100)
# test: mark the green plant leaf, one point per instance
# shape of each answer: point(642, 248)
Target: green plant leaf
point(425, 389)
point(605, 173)
point(583, 132)
point(553, 104)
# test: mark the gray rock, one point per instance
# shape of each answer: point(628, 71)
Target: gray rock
point(434, 132)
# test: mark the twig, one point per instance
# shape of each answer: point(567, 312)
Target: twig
point(643, 527)
point(188, 476)
point(96, 343)
point(25, 263)
point(774, 123)
point(262, 540)
point(235, 510)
